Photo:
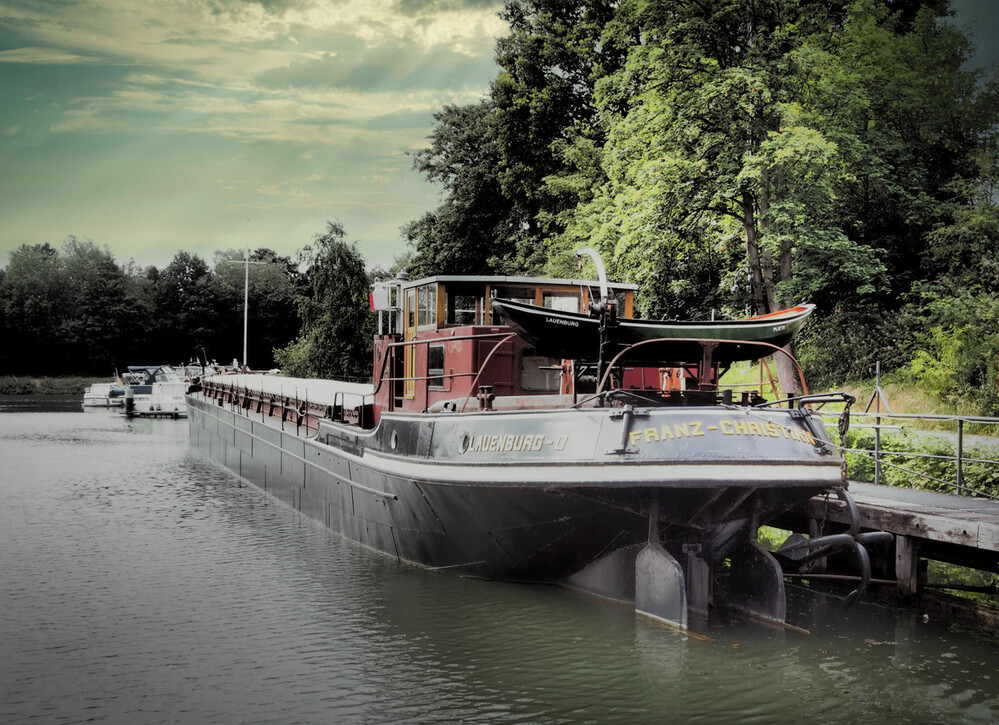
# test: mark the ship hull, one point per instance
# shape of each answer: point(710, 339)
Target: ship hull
point(531, 495)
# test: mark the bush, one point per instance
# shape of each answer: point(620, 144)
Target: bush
point(847, 346)
point(70, 385)
point(17, 386)
point(935, 469)
point(958, 355)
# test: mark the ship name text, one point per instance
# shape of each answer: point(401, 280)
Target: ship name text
point(696, 429)
point(560, 321)
point(511, 443)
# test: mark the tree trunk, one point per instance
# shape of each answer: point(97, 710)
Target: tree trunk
point(787, 372)
point(763, 206)
point(753, 256)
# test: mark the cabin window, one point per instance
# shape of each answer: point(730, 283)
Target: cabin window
point(539, 374)
point(461, 309)
point(621, 298)
point(561, 301)
point(411, 308)
point(428, 306)
point(517, 294)
point(435, 367)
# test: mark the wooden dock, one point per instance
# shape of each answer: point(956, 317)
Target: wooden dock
point(927, 526)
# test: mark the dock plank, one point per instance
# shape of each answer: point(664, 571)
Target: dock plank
point(945, 518)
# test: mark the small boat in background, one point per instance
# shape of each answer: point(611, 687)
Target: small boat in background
point(104, 395)
point(154, 391)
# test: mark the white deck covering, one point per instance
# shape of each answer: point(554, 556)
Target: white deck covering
point(313, 390)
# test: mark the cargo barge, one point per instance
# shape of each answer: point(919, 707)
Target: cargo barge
point(474, 453)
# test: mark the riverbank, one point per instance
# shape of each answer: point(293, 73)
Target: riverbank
point(62, 385)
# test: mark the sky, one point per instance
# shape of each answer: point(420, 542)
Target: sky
point(151, 127)
point(204, 125)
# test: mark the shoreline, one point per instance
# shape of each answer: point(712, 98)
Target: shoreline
point(27, 385)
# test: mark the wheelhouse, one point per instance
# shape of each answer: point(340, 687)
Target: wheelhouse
point(439, 340)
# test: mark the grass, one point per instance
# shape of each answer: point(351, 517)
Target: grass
point(63, 385)
point(898, 397)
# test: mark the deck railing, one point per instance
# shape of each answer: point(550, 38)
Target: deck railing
point(954, 433)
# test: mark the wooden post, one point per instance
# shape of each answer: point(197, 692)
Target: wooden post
point(906, 565)
point(877, 430)
point(960, 456)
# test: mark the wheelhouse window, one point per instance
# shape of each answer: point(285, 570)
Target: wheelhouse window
point(515, 293)
point(411, 308)
point(427, 306)
point(561, 301)
point(539, 374)
point(621, 298)
point(435, 367)
point(461, 309)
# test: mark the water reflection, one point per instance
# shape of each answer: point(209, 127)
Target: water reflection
point(44, 404)
point(142, 583)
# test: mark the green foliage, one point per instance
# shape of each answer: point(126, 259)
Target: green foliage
point(62, 385)
point(64, 313)
point(337, 328)
point(958, 347)
point(12, 385)
point(732, 154)
point(511, 165)
point(847, 344)
point(106, 314)
point(188, 304)
point(833, 269)
point(963, 581)
point(33, 308)
point(934, 468)
point(76, 310)
point(473, 230)
point(293, 358)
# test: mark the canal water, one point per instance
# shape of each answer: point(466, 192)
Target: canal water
point(140, 583)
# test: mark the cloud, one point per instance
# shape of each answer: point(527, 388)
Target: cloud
point(300, 109)
point(421, 7)
point(387, 66)
point(310, 118)
point(43, 56)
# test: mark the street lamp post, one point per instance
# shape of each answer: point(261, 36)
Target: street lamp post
point(246, 304)
point(246, 298)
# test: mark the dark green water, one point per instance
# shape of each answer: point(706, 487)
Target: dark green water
point(143, 584)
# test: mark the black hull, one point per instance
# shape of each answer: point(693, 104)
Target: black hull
point(528, 496)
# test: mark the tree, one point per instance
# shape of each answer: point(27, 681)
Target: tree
point(337, 327)
point(546, 119)
point(831, 137)
point(103, 312)
point(511, 165)
point(34, 309)
point(470, 232)
point(188, 314)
